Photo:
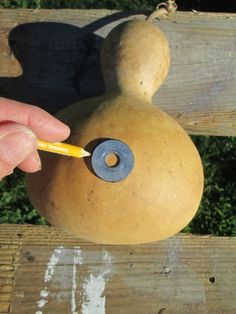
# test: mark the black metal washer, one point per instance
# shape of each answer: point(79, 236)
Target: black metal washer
point(112, 173)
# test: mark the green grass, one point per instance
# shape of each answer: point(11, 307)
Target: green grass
point(80, 4)
point(217, 212)
point(15, 206)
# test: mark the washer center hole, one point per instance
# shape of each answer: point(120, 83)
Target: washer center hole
point(112, 160)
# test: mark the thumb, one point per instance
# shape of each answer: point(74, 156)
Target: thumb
point(17, 142)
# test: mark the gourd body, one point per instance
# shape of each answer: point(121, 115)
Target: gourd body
point(162, 193)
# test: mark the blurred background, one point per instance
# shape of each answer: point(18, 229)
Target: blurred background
point(217, 213)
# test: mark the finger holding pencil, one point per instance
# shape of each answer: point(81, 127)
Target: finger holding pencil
point(21, 125)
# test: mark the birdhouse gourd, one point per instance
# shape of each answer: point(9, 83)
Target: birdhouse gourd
point(144, 179)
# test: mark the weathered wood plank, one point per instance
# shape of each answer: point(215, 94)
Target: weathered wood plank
point(50, 272)
point(60, 61)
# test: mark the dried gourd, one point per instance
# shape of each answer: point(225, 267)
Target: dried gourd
point(162, 192)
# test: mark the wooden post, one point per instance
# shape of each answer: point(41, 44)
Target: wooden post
point(45, 271)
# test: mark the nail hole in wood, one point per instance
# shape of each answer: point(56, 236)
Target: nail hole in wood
point(212, 279)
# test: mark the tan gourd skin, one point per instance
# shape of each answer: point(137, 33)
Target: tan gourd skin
point(163, 191)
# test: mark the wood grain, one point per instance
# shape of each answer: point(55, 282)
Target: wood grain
point(45, 271)
point(60, 63)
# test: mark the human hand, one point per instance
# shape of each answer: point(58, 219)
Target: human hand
point(20, 126)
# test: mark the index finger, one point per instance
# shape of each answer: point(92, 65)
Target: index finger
point(44, 125)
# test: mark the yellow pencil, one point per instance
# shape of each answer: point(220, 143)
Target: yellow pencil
point(63, 149)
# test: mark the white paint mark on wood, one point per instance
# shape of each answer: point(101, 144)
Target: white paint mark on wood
point(44, 293)
point(93, 299)
point(48, 277)
point(41, 303)
point(93, 288)
point(77, 260)
point(107, 258)
point(52, 264)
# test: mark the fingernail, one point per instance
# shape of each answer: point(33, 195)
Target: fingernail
point(36, 162)
point(17, 145)
point(39, 163)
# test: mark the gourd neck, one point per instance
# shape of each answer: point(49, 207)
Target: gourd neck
point(135, 59)
point(128, 92)
point(114, 93)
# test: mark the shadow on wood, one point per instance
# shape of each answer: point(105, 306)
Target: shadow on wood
point(60, 63)
point(53, 56)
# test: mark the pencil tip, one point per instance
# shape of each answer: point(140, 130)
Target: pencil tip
point(85, 153)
